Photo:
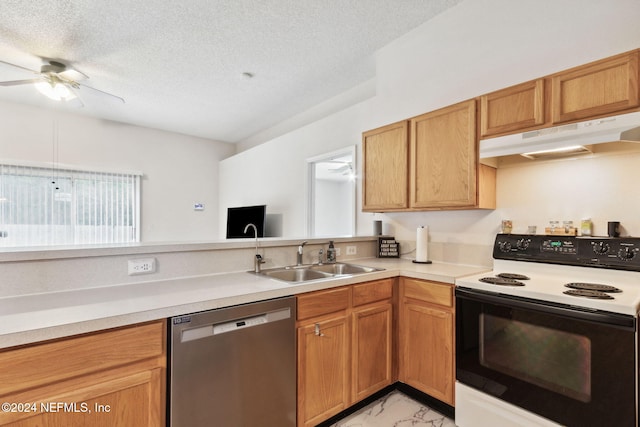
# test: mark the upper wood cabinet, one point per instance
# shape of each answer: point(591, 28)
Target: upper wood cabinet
point(439, 170)
point(385, 157)
point(590, 91)
point(512, 109)
point(443, 167)
point(596, 89)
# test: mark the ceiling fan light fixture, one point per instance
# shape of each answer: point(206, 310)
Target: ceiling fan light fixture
point(55, 90)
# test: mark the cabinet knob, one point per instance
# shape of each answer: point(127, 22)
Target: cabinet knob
point(317, 331)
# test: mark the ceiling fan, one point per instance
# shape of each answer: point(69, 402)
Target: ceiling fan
point(57, 81)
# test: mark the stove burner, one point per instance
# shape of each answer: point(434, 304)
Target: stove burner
point(501, 281)
point(588, 294)
point(513, 276)
point(592, 287)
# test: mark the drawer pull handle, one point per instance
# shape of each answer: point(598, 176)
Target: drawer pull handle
point(317, 330)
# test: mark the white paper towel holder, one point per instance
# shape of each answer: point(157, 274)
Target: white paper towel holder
point(415, 261)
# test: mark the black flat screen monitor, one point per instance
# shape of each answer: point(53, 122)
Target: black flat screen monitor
point(238, 218)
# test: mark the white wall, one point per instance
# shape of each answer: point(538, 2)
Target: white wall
point(330, 218)
point(476, 47)
point(178, 170)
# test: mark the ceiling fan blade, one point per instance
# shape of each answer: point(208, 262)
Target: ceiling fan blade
point(18, 66)
point(19, 82)
point(81, 86)
point(73, 75)
point(75, 101)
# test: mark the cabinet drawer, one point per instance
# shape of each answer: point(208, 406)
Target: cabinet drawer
point(80, 355)
point(322, 302)
point(436, 293)
point(365, 293)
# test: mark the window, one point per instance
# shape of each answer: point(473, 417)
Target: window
point(63, 206)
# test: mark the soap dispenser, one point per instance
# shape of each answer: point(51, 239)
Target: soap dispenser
point(331, 252)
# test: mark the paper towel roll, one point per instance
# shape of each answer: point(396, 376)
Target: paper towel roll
point(422, 244)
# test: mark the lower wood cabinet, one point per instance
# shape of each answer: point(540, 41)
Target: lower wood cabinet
point(344, 347)
point(110, 378)
point(323, 369)
point(426, 337)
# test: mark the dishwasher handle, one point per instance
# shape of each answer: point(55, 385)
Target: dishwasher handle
point(234, 325)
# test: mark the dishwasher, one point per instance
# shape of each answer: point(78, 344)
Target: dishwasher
point(234, 366)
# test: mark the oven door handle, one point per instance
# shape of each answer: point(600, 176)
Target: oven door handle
point(563, 310)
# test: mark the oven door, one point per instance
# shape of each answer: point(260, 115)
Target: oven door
point(570, 366)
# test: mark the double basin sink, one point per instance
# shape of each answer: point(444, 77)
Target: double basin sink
point(303, 273)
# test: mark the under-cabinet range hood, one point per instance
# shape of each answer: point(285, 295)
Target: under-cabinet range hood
point(624, 127)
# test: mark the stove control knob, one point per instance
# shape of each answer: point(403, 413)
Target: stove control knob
point(600, 248)
point(523, 244)
point(626, 254)
point(504, 246)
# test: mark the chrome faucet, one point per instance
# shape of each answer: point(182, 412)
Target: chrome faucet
point(299, 258)
point(258, 259)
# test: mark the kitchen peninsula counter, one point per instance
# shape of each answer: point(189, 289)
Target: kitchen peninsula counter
point(38, 317)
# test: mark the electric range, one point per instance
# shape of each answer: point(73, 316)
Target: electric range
point(552, 262)
point(531, 349)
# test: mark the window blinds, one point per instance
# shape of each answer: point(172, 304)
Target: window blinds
point(63, 206)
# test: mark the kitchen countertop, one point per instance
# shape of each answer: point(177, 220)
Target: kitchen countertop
point(38, 317)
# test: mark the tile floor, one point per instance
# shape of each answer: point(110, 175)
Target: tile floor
point(396, 410)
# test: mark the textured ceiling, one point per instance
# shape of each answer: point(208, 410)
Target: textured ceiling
point(180, 65)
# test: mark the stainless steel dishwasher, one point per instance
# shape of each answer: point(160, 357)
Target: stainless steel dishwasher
point(234, 366)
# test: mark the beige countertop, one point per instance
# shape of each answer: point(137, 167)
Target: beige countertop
point(38, 317)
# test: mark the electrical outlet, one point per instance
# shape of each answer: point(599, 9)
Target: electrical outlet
point(141, 266)
point(338, 251)
point(352, 250)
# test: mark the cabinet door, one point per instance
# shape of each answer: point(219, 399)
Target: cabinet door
point(385, 158)
point(372, 350)
point(596, 89)
point(108, 378)
point(426, 349)
point(323, 370)
point(444, 158)
point(130, 400)
point(512, 109)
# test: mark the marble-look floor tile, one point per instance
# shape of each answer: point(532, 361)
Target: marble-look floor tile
point(396, 410)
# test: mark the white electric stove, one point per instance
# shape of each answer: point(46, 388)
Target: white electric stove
point(536, 338)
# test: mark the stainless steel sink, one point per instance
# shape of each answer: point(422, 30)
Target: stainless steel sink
point(342, 268)
point(295, 274)
point(317, 271)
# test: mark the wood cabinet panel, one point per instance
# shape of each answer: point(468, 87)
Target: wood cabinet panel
point(371, 361)
point(426, 337)
point(23, 367)
point(426, 348)
point(115, 377)
point(385, 154)
point(365, 293)
point(444, 159)
point(512, 109)
point(323, 370)
point(596, 89)
point(318, 303)
point(432, 292)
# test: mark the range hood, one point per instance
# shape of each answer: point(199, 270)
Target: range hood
point(625, 127)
